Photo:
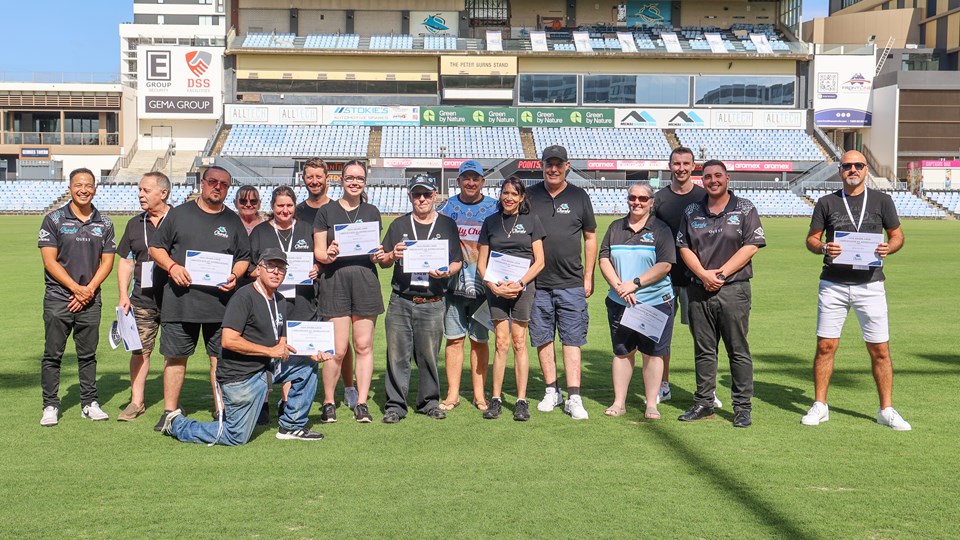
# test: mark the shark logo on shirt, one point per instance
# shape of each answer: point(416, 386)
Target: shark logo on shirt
point(221, 232)
point(563, 209)
point(301, 244)
point(734, 219)
point(647, 237)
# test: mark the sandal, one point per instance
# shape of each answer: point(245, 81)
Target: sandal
point(615, 411)
point(445, 406)
point(655, 415)
point(480, 405)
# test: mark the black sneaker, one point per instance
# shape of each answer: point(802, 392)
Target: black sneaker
point(163, 420)
point(361, 414)
point(697, 412)
point(741, 418)
point(493, 409)
point(521, 411)
point(303, 434)
point(281, 405)
point(264, 418)
point(328, 413)
point(437, 413)
point(391, 417)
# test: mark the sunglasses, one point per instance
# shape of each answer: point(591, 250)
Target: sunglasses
point(213, 182)
point(641, 198)
point(249, 201)
point(848, 166)
point(421, 195)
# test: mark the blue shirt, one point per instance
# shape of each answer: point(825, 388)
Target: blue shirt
point(469, 218)
point(633, 253)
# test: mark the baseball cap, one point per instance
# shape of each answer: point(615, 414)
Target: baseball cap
point(273, 254)
point(470, 165)
point(555, 151)
point(424, 181)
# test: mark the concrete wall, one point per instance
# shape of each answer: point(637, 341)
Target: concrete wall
point(856, 28)
point(695, 12)
point(525, 12)
point(316, 21)
point(191, 135)
point(881, 138)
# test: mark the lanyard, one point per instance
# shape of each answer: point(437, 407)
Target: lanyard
point(863, 208)
point(276, 230)
point(272, 308)
point(146, 217)
point(413, 226)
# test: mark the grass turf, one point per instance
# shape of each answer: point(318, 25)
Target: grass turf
point(467, 477)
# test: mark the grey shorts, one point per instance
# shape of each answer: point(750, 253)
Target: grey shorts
point(352, 290)
point(179, 339)
point(562, 311)
point(520, 309)
point(458, 321)
point(148, 324)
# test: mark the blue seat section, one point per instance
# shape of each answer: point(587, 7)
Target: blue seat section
point(30, 195)
point(439, 43)
point(396, 42)
point(269, 40)
point(122, 198)
point(750, 144)
point(908, 204)
point(331, 41)
point(612, 143)
point(294, 141)
point(461, 142)
point(949, 199)
point(776, 202)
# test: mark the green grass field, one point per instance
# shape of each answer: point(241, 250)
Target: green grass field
point(550, 477)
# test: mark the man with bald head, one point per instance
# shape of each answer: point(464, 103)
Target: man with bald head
point(845, 285)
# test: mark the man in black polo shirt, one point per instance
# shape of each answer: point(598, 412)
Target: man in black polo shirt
point(668, 206)
point(77, 246)
point(854, 209)
point(206, 225)
point(136, 266)
point(414, 321)
point(718, 237)
point(566, 282)
point(255, 339)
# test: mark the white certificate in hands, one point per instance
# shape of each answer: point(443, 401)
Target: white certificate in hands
point(127, 329)
point(502, 267)
point(299, 264)
point(357, 238)
point(426, 255)
point(646, 320)
point(310, 338)
point(858, 249)
point(208, 269)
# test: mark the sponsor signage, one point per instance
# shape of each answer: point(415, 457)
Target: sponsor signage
point(272, 114)
point(468, 116)
point(710, 118)
point(565, 117)
point(179, 82)
point(647, 13)
point(948, 164)
point(426, 23)
point(626, 165)
point(759, 166)
point(843, 90)
point(34, 153)
point(478, 65)
point(370, 115)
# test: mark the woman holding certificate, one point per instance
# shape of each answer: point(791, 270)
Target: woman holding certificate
point(636, 255)
point(346, 237)
point(510, 258)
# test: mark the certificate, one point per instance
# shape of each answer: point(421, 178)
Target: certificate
point(503, 267)
point(126, 329)
point(426, 255)
point(357, 238)
point(646, 320)
point(208, 269)
point(299, 264)
point(482, 316)
point(310, 337)
point(858, 249)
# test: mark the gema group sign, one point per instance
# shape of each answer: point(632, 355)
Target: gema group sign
point(180, 82)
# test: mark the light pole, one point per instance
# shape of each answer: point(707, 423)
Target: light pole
point(443, 182)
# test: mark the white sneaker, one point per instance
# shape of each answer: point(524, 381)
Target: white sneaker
point(717, 404)
point(94, 412)
point(574, 407)
point(50, 416)
point(817, 414)
point(664, 394)
point(891, 418)
point(552, 399)
point(351, 396)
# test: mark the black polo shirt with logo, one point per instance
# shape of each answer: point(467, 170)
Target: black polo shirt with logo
point(80, 245)
point(714, 238)
point(252, 315)
point(135, 246)
point(668, 207)
point(302, 300)
point(444, 229)
point(189, 227)
point(564, 217)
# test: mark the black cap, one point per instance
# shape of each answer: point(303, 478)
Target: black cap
point(424, 181)
point(555, 151)
point(273, 254)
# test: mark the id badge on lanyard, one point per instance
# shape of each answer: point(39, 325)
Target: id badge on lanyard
point(863, 210)
point(421, 279)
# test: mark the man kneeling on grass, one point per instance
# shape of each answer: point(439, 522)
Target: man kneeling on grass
point(254, 339)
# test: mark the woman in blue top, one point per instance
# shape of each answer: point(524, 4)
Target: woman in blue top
point(636, 255)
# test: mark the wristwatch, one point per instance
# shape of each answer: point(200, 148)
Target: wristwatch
point(721, 277)
point(823, 248)
point(636, 281)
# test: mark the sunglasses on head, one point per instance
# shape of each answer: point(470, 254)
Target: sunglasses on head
point(848, 166)
point(244, 200)
point(641, 198)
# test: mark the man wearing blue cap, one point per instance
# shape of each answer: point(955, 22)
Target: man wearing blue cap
point(468, 209)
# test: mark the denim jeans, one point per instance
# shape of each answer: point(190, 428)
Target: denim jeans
point(242, 401)
point(58, 322)
point(413, 330)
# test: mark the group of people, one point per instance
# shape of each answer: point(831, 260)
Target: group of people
point(685, 249)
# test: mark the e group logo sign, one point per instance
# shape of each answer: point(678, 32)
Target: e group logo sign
point(180, 82)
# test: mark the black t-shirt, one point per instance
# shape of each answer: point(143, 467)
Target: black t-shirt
point(668, 207)
point(444, 229)
point(512, 235)
point(134, 245)
point(302, 299)
point(306, 213)
point(830, 215)
point(189, 227)
point(254, 317)
point(566, 216)
point(80, 244)
point(714, 238)
point(333, 214)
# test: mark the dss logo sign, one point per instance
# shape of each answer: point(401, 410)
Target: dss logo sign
point(180, 82)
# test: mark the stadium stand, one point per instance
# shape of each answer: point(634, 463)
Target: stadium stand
point(461, 142)
point(30, 195)
point(393, 43)
point(947, 199)
point(122, 198)
point(269, 41)
point(266, 141)
point(750, 144)
point(776, 202)
point(908, 204)
point(332, 41)
point(612, 143)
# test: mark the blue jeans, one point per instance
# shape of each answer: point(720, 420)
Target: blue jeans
point(242, 401)
point(413, 330)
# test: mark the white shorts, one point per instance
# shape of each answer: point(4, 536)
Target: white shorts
point(869, 302)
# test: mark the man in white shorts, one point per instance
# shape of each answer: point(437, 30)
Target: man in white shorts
point(853, 209)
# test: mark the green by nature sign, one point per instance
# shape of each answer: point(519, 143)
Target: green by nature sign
point(565, 117)
point(468, 116)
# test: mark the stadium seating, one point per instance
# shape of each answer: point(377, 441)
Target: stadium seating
point(270, 40)
point(946, 198)
point(392, 42)
point(750, 144)
point(273, 141)
point(908, 204)
point(776, 202)
point(332, 41)
point(439, 43)
point(461, 142)
point(30, 195)
point(613, 143)
point(122, 198)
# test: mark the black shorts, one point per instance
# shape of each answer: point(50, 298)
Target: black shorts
point(351, 290)
point(502, 309)
point(179, 339)
point(626, 340)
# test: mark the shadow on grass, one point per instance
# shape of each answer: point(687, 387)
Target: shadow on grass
point(950, 359)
